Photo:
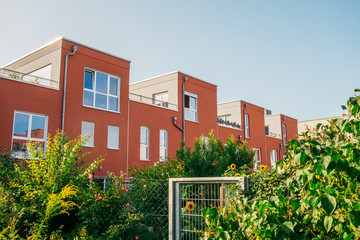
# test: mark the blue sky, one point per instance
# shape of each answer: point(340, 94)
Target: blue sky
point(299, 58)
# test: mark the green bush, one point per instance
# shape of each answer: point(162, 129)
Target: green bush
point(210, 157)
point(51, 195)
point(314, 195)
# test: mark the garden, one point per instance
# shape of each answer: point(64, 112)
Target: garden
point(312, 194)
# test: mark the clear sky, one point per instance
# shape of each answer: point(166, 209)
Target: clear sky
point(299, 58)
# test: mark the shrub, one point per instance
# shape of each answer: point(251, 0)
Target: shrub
point(314, 196)
point(211, 158)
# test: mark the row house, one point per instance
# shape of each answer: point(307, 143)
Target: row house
point(69, 86)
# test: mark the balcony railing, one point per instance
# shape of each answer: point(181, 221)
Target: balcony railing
point(270, 134)
point(151, 101)
point(225, 123)
point(22, 77)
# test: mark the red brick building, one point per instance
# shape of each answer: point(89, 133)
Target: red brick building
point(70, 86)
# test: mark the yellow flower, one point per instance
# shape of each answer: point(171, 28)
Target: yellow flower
point(190, 206)
point(263, 167)
point(233, 166)
point(237, 175)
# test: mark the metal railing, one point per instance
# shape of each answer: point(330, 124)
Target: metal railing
point(152, 101)
point(271, 134)
point(22, 77)
point(225, 123)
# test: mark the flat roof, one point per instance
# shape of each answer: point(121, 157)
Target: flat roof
point(165, 74)
point(67, 39)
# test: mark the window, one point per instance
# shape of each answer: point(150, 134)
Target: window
point(113, 137)
point(163, 145)
point(273, 158)
point(87, 130)
point(191, 107)
point(257, 159)
point(247, 129)
point(144, 143)
point(284, 134)
point(161, 99)
point(101, 91)
point(267, 132)
point(225, 117)
point(28, 127)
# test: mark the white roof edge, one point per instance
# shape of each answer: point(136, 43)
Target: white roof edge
point(230, 101)
point(148, 79)
point(321, 119)
point(37, 49)
point(165, 74)
point(84, 45)
point(57, 39)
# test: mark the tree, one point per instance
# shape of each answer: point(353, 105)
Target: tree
point(211, 158)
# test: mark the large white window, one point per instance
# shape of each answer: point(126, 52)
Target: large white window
point(87, 130)
point(163, 145)
point(161, 99)
point(273, 158)
point(101, 90)
point(191, 107)
point(247, 129)
point(144, 143)
point(257, 159)
point(113, 137)
point(28, 127)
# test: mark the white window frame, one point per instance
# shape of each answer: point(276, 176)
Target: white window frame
point(257, 159)
point(108, 94)
point(28, 137)
point(113, 130)
point(163, 133)
point(273, 157)
point(91, 141)
point(146, 144)
point(195, 96)
point(246, 127)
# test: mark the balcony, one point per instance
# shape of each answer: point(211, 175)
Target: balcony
point(26, 78)
point(222, 122)
point(152, 101)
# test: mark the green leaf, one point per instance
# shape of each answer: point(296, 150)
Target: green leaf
point(357, 89)
point(326, 161)
point(313, 201)
point(212, 212)
point(328, 203)
point(328, 221)
point(354, 217)
point(289, 225)
point(349, 236)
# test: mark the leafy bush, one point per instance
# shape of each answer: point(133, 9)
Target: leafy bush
point(211, 158)
point(51, 195)
point(315, 194)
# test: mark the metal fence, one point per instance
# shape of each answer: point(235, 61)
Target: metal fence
point(152, 101)
point(189, 196)
point(18, 76)
point(149, 198)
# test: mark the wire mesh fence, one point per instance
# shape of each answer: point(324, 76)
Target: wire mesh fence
point(190, 196)
point(149, 198)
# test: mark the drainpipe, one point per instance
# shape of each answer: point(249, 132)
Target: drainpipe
point(183, 107)
point(183, 110)
point(245, 106)
point(282, 137)
point(74, 49)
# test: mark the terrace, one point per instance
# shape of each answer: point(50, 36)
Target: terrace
point(29, 79)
